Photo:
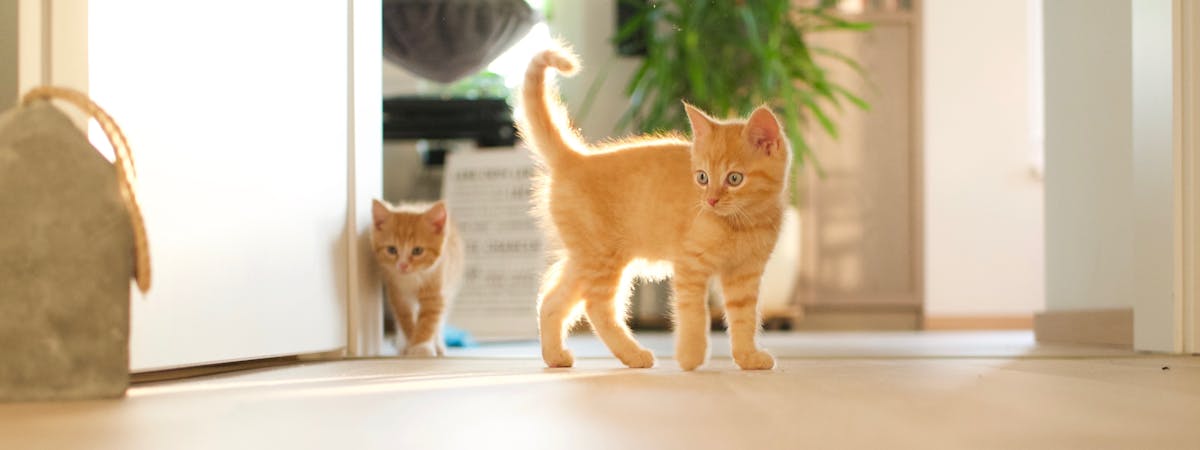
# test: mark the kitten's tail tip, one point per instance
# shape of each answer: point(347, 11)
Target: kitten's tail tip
point(561, 60)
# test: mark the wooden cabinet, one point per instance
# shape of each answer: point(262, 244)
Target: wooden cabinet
point(862, 220)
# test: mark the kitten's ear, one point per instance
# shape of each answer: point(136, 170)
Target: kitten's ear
point(763, 132)
point(379, 213)
point(702, 125)
point(437, 216)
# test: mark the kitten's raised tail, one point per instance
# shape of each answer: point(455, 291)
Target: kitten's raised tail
point(544, 125)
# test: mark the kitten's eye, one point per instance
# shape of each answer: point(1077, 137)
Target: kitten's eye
point(392, 250)
point(417, 251)
point(702, 178)
point(734, 178)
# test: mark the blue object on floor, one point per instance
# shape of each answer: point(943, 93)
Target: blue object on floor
point(456, 337)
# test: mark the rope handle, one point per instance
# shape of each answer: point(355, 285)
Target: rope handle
point(126, 173)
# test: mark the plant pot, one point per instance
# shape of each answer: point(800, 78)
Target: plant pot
point(779, 277)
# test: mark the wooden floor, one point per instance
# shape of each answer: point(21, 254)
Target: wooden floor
point(860, 390)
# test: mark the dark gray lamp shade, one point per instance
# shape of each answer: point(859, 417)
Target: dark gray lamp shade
point(445, 40)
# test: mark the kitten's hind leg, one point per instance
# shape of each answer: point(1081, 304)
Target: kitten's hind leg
point(557, 310)
point(606, 313)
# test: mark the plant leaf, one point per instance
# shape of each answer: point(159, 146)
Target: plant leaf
point(728, 57)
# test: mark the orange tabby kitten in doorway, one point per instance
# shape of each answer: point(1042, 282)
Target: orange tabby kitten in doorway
point(421, 256)
point(711, 208)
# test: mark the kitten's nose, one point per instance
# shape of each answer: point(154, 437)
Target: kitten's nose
point(713, 201)
point(403, 267)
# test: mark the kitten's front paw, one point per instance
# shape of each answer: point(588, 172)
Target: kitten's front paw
point(560, 358)
point(759, 360)
point(690, 359)
point(422, 350)
point(641, 359)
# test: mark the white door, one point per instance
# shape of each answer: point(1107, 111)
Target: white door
point(239, 116)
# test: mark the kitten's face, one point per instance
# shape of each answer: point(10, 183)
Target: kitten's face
point(408, 242)
point(737, 166)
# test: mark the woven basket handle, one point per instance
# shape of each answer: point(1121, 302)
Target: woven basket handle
point(126, 174)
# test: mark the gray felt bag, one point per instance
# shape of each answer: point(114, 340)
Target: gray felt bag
point(71, 235)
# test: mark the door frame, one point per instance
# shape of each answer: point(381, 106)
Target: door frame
point(364, 305)
point(1186, 36)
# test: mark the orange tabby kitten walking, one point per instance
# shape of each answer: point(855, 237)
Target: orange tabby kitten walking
point(421, 255)
point(710, 208)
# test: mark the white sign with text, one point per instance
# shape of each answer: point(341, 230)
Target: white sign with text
point(488, 193)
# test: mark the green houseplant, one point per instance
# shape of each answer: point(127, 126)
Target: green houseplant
point(728, 57)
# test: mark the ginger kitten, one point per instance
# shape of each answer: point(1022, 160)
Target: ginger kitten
point(711, 208)
point(421, 256)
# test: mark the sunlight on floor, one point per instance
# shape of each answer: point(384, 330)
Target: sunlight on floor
point(347, 385)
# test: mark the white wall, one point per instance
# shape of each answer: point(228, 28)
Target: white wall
point(589, 27)
point(1156, 314)
point(1110, 166)
point(1089, 227)
point(983, 200)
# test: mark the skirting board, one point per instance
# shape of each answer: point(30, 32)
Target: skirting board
point(1017, 322)
point(1107, 327)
